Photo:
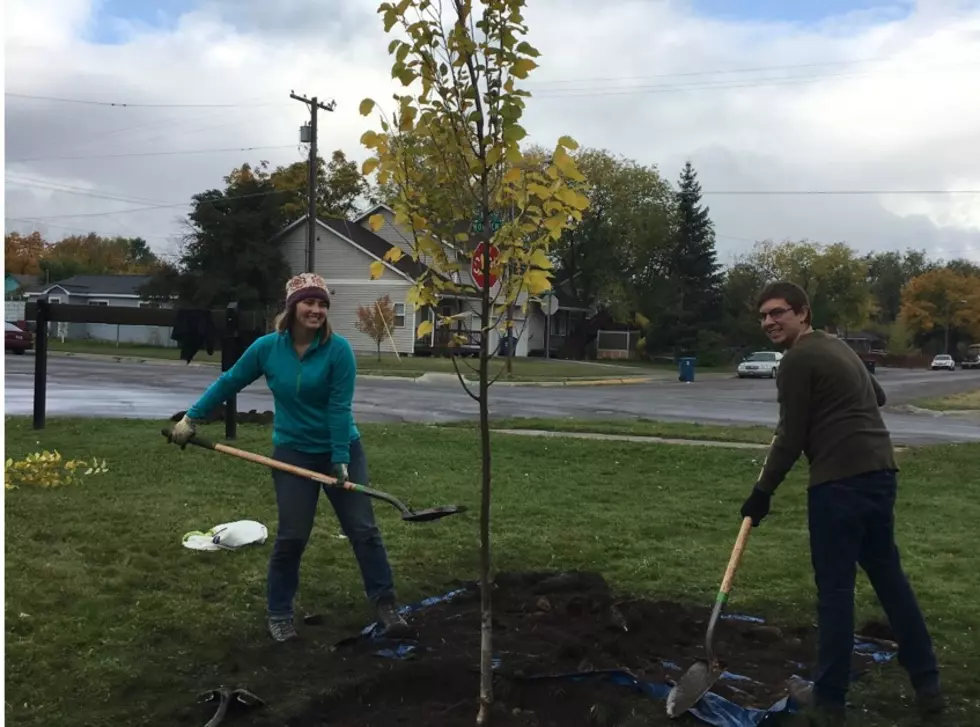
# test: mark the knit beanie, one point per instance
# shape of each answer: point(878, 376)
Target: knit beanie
point(306, 285)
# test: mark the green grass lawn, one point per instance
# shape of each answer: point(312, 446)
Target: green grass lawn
point(632, 427)
point(523, 369)
point(966, 401)
point(109, 620)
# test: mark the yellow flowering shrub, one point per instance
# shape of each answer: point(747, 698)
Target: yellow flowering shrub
point(49, 469)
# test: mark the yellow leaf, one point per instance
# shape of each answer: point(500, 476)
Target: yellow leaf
point(369, 166)
point(370, 139)
point(537, 282)
point(512, 176)
point(493, 155)
point(377, 268)
point(394, 254)
point(568, 142)
point(366, 107)
point(522, 66)
point(376, 222)
point(424, 329)
point(540, 260)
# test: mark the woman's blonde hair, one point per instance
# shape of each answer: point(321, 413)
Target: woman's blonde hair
point(284, 322)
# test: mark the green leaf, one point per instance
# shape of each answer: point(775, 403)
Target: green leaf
point(402, 52)
point(514, 132)
point(366, 107)
point(406, 76)
point(527, 49)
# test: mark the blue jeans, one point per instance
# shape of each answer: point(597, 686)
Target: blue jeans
point(297, 499)
point(852, 523)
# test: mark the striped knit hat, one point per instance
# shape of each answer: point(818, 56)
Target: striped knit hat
point(306, 285)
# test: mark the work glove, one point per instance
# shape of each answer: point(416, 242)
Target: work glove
point(183, 431)
point(339, 472)
point(756, 506)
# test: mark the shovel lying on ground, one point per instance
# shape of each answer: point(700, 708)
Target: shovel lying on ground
point(433, 513)
point(226, 696)
point(705, 672)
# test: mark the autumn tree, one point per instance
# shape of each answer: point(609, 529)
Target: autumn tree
point(942, 299)
point(450, 155)
point(22, 254)
point(93, 254)
point(376, 320)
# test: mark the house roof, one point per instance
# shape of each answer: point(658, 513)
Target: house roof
point(97, 285)
point(363, 237)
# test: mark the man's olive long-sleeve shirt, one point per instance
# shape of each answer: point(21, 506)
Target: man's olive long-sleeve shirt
point(829, 410)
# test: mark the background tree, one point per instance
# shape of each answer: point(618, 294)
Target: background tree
point(451, 161)
point(22, 254)
point(888, 273)
point(341, 188)
point(693, 272)
point(944, 301)
point(376, 320)
point(230, 253)
point(93, 254)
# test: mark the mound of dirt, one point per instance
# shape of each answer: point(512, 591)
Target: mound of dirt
point(545, 625)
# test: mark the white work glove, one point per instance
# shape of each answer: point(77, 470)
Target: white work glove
point(183, 431)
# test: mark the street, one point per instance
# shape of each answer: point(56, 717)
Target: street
point(80, 387)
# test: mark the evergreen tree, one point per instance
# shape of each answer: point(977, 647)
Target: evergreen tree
point(695, 275)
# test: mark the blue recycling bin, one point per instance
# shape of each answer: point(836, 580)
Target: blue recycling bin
point(686, 369)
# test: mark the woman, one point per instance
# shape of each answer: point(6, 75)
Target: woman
point(310, 371)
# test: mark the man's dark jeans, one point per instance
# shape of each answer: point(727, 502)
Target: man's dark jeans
point(297, 500)
point(852, 523)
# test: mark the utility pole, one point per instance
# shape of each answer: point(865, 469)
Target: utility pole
point(308, 134)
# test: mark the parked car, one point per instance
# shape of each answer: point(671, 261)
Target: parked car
point(943, 361)
point(972, 358)
point(16, 339)
point(760, 364)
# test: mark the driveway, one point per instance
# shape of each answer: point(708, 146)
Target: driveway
point(79, 387)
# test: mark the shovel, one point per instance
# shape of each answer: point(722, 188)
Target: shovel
point(433, 513)
point(705, 672)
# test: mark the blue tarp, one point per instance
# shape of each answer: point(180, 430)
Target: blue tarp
point(713, 709)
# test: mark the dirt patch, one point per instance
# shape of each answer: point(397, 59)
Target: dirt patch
point(549, 624)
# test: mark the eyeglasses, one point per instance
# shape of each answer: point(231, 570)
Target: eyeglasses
point(775, 313)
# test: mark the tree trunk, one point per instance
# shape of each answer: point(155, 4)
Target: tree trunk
point(486, 614)
point(379, 351)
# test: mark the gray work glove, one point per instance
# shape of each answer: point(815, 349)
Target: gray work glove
point(183, 431)
point(339, 472)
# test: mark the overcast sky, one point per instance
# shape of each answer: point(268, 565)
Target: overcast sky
point(761, 95)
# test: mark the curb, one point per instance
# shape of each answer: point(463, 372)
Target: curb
point(582, 382)
point(596, 436)
point(153, 361)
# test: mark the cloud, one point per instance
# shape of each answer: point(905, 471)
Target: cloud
point(870, 100)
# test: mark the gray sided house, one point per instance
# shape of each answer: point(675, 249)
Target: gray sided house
point(344, 252)
point(119, 291)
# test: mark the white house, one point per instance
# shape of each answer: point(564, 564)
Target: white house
point(343, 255)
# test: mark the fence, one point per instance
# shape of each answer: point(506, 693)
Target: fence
point(230, 326)
point(616, 344)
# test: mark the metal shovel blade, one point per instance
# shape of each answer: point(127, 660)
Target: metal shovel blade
point(433, 513)
point(692, 686)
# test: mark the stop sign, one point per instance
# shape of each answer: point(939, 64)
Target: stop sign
point(476, 267)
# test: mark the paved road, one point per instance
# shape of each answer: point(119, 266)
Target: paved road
point(79, 387)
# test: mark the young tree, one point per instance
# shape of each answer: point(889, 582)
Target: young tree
point(376, 320)
point(451, 162)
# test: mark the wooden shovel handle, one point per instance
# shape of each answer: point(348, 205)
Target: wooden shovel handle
point(735, 559)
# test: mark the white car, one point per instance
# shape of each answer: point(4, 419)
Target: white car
point(943, 361)
point(760, 364)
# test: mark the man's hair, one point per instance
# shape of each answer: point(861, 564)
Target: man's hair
point(791, 293)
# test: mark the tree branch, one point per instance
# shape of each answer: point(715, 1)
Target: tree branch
point(462, 381)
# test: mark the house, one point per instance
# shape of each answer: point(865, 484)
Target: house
point(343, 255)
point(103, 290)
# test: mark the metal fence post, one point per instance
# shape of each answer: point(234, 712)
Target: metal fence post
point(229, 355)
point(41, 361)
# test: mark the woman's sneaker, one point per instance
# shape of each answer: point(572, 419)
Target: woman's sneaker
point(392, 623)
point(282, 629)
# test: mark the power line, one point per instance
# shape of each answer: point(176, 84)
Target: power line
point(834, 192)
point(687, 74)
point(126, 104)
point(33, 183)
point(718, 84)
point(150, 153)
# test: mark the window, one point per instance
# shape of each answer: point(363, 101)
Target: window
point(99, 303)
point(399, 315)
point(762, 356)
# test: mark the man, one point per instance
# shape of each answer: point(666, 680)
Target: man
point(829, 409)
